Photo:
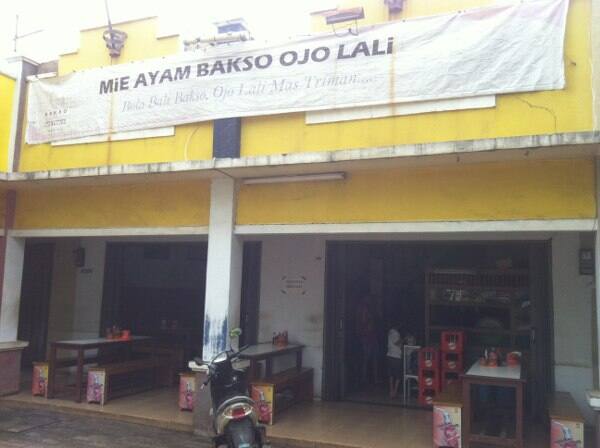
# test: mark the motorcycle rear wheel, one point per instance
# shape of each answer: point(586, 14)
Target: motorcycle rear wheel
point(241, 434)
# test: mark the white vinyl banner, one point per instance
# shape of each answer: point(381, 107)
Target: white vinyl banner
point(501, 49)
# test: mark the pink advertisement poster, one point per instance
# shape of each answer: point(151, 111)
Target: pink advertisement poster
point(446, 426)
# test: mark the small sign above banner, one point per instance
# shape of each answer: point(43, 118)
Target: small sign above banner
point(487, 51)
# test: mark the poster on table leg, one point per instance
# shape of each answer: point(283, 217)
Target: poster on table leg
point(263, 397)
point(564, 434)
point(39, 383)
point(446, 426)
point(95, 387)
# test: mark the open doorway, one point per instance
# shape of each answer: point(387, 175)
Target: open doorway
point(157, 289)
point(376, 287)
point(73, 289)
point(34, 308)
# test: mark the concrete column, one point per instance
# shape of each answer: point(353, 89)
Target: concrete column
point(12, 254)
point(223, 270)
point(597, 285)
point(595, 41)
point(11, 288)
point(597, 281)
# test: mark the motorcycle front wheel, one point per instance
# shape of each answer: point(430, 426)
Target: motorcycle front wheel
point(241, 434)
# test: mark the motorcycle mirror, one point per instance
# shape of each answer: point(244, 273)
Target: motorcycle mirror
point(235, 333)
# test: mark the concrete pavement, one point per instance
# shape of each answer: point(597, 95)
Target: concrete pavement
point(36, 428)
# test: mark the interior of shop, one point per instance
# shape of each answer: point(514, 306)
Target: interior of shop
point(495, 292)
point(145, 297)
point(157, 289)
point(396, 297)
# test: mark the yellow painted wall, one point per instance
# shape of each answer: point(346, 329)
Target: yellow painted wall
point(141, 43)
point(377, 11)
point(168, 204)
point(489, 191)
point(7, 90)
point(417, 8)
point(190, 142)
point(568, 110)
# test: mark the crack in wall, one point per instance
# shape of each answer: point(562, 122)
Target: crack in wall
point(547, 109)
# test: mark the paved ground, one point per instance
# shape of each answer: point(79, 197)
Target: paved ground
point(35, 428)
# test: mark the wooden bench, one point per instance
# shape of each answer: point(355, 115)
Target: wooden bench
point(282, 390)
point(172, 360)
point(72, 362)
point(123, 378)
point(447, 417)
point(566, 420)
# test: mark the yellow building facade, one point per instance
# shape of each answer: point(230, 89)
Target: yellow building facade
point(515, 115)
point(524, 169)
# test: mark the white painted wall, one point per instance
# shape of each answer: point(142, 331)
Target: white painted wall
point(76, 294)
point(62, 294)
point(300, 314)
point(573, 320)
point(88, 290)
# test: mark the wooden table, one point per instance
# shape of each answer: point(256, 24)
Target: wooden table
point(80, 346)
point(267, 352)
point(502, 376)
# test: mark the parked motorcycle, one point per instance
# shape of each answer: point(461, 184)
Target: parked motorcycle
point(234, 414)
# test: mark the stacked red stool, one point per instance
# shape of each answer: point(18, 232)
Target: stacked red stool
point(429, 375)
point(452, 357)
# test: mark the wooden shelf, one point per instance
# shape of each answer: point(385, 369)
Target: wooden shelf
point(479, 287)
point(499, 331)
point(509, 284)
point(467, 303)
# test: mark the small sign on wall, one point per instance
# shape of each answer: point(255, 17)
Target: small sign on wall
point(293, 285)
point(586, 262)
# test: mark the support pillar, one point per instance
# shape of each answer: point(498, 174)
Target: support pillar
point(223, 269)
point(597, 297)
point(223, 290)
point(12, 253)
point(11, 288)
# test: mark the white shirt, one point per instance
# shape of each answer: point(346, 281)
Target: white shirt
point(394, 344)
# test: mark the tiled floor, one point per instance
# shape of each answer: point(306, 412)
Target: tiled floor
point(317, 424)
point(365, 426)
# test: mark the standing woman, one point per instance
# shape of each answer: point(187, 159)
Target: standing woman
point(394, 360)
